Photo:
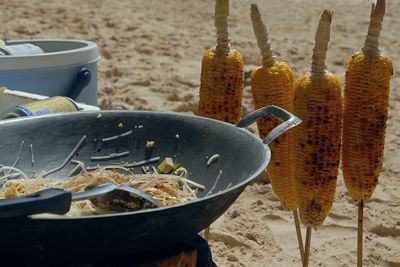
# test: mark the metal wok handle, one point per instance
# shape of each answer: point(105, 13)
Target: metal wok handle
point(289, 121)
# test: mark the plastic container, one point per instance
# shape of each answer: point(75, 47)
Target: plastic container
point(57, 72)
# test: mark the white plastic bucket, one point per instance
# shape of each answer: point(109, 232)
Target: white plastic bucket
point(55, 72)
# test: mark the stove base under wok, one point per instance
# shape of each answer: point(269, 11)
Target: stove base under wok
point(192, 253)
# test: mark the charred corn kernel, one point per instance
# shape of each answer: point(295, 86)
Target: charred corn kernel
point(273, 84)
point(366, 95)
point(318, 102)
point(221, 87)
point(166, 166)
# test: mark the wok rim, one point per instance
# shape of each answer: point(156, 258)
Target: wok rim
point(262, 167)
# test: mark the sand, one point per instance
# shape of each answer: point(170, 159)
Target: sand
point(151, 52)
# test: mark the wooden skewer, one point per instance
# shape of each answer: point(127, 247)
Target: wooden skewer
point(360, 233)
point(307, 249)
point(298, 232)
point(207, 233)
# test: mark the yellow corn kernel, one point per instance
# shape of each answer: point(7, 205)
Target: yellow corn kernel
point(150, 144)
point(166, 166)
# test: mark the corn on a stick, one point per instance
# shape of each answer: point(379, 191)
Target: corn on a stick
point(273, 84)
point(318, 102)
point(366, 96)
point(221, 85)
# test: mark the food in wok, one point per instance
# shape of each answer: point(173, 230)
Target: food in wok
point(168, 184)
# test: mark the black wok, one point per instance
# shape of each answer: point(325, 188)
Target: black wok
point(190, 140)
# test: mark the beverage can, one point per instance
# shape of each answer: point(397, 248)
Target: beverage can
point(51, 105)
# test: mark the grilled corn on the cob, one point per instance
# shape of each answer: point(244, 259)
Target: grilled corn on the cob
point(221, 87)
point(366, 96)
point(273, 84)
point(318, 102)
